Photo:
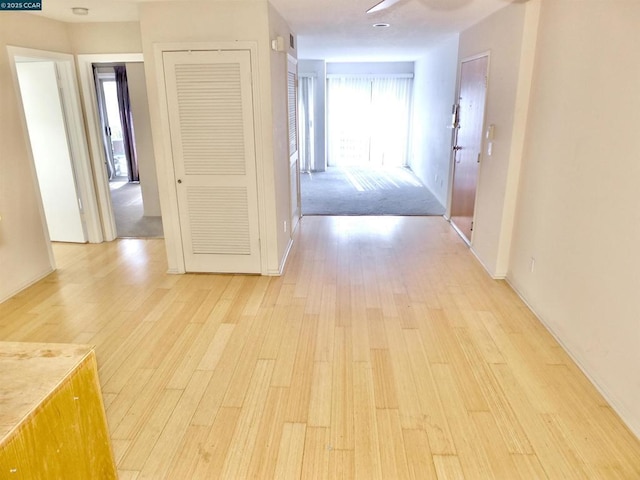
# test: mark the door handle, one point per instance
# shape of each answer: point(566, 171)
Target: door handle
point(456, 149)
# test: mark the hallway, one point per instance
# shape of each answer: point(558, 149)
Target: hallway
point(128, 211)
point(384, 351)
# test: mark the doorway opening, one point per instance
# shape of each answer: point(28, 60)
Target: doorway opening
point(47, 130)
point(48, 93)
point(134, 203)
point(368, 131)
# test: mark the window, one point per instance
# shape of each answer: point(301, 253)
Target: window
point(368, 120)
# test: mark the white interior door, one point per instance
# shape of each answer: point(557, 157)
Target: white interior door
point(45, 118)
point(210, 107)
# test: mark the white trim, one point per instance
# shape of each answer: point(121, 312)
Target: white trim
point(295, 210)
point(486, 53)
point(28, 283)
point(612, 400)
point(165, 169)
point(283, 261)
point(264, 213)
point(166, 173)
point(76, 135)
point(94, 133)
point(495, 276)
point(459, 232)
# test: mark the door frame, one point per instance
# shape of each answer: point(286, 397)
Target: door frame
point(94, 133)
point(99, 79)
point(165, 168)
point(76, 134)
point(295, 211)
point(454, 138)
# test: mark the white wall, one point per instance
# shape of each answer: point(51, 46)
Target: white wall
point(502, 35)
point(25, 255)
point(51, 155)
point(144, 142)
point(279, 107)
point(434, 89)
point(317, 69)
point(578, 212)
point(109, 37)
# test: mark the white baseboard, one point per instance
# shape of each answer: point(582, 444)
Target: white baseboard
point(283, 262)
point(496, 275)
point(27, 284)
point(617, 405)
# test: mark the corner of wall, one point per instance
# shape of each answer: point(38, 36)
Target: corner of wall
point(518, 139)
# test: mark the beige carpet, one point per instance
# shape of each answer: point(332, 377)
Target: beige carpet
point(126, 201)
point(367, 191)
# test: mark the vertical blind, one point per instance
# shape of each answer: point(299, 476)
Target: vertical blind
point(306, 92)
point(292, 107)
point(368, 120)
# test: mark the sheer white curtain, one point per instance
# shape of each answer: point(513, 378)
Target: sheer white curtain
point(348, 117)
point(306, 91)
point(368, 120)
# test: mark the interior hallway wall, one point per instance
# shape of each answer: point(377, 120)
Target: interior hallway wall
point(577, 212)
point(144, 141)
point(434, 89)
point(503, 36)
point(105, 37)
point(280, 128)
point(25, 254)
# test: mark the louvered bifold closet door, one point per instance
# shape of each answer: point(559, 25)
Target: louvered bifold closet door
point(294, 170)
point(210, 108)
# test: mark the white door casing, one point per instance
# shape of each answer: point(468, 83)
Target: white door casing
point(76, 135)
point(210, 109)
point(294, 164)
point(94, 133)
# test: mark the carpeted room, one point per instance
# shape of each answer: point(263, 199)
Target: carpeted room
point(366, 191)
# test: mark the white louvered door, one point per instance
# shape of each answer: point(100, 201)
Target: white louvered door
point(210, 107)
point(294, 167)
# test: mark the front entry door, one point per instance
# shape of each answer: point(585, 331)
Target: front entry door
point(467, 148)
point(210, 106)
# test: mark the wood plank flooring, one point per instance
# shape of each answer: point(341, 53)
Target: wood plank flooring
point(384, 351)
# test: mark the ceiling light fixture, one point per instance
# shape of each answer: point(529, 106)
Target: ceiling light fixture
point(381, 25)
point(80, 11)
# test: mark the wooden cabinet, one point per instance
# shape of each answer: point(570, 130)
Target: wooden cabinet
point(52, 420)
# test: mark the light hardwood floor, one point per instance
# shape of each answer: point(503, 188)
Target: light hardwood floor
point(385, 351)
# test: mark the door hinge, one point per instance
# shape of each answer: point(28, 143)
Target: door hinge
point(478, 158)
point(471, 229)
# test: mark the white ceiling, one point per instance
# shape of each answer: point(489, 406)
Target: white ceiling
point(335, 30)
